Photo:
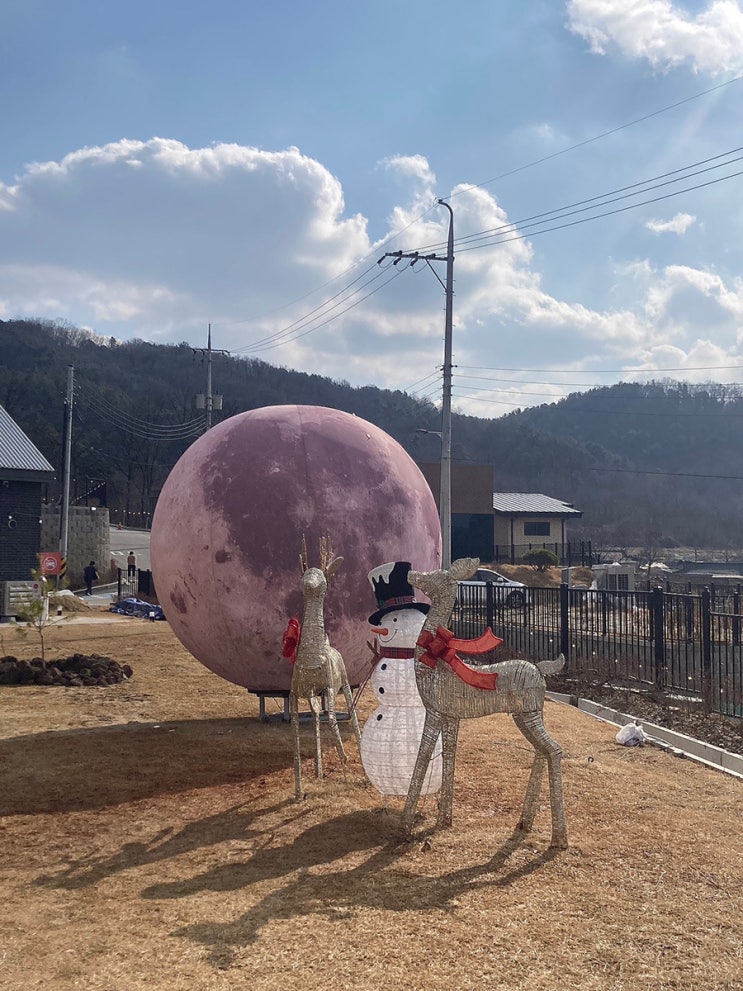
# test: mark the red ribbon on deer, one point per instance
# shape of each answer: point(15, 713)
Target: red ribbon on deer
point(290, 640)
point(443, 645)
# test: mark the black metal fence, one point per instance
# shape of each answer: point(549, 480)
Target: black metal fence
point(682, 643)
point(571, 553)
point(132, 584)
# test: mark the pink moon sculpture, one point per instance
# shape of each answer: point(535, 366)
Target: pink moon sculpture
point(227, 532)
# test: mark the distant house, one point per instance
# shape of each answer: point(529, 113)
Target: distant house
point(499, 526)
point(525, 520)
point(23, 470)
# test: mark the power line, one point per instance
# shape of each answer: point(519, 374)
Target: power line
point(320, 306)
point(604, 371)
point(666, 474)
point(488, 240)
point(336, 278)
point(419, 218)
point(579, 385)
point(604, 134)
point(594, 202)
point(602, 199)
point(592, 412)
point(507, 232)
point(436, 371)
point(304, 333)
point(598, 216)
point(141, 428)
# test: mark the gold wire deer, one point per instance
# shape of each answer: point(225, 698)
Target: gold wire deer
point(318, 669)
point(518, 687)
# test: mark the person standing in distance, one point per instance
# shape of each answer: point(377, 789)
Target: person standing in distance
point(90, 575)
point(131, 563)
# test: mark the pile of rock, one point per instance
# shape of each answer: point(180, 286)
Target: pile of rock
point(70, 672)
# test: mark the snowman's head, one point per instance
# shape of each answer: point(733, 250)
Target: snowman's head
point(399, 627)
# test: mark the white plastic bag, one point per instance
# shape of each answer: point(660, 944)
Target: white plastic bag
point(631, 735)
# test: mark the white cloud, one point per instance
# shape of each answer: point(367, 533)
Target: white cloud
point(662, 32)
point(679, 224)
point(242, 238)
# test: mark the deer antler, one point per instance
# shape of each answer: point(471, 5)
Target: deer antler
point(326, 554)
point(328, 563)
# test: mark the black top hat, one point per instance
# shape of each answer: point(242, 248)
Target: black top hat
point(392, 590)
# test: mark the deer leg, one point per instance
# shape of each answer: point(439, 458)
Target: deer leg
point(431, 730)
point(534, 787)
point(449, 734)
point(333, 722)
point(316, 705)
point(546, 751)
point(352, 712)
point(294, 713)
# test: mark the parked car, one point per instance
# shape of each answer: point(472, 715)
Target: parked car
point(138, 607)
point(506, 591)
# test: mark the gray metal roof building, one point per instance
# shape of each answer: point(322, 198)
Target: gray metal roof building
point(20, 459)
point(531, 503)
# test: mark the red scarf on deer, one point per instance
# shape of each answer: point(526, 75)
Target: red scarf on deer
point(443, 645)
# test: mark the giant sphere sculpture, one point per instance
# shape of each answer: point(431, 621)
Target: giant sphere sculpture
point(227, 532)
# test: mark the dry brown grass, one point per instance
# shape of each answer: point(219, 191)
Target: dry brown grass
point(149, 840)
point(550, 578)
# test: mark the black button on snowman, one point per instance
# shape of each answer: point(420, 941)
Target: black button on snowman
point(392, 734)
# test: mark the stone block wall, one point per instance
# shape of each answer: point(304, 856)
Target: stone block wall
point(88, 539)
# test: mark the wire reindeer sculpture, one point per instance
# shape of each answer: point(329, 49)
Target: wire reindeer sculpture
point(319, 669)
point(514, 686)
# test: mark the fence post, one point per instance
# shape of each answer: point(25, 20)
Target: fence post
point(490, 604)
point(657, 596)
point(119, 596)
point(736, 616)
point(565, 622)
point(707, 647)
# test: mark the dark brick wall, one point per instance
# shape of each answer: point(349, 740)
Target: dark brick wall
point(19, 543)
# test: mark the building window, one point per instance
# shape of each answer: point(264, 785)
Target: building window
point(617, 583)
point(537, 528)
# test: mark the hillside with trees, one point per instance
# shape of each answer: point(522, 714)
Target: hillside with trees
point(658, 463)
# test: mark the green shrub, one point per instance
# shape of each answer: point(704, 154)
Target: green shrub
point(540, 559)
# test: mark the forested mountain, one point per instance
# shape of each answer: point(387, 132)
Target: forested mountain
point(658, 463)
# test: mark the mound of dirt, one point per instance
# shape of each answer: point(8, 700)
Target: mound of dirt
point(76, 671)
point(68, 603)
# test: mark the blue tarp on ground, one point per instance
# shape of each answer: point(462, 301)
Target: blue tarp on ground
point(137, 607)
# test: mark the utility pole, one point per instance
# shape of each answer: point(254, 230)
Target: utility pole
point(445, 492)
point(209, 398)
point(445, 486)
point(208, 402)
point(64, 514)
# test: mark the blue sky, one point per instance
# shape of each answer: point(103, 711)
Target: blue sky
point(165, 166)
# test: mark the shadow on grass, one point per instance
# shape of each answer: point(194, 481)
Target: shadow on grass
point(72, 770)
point(383, 881)
point(241, 823)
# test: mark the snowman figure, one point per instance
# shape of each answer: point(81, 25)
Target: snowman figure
point(392, 734)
